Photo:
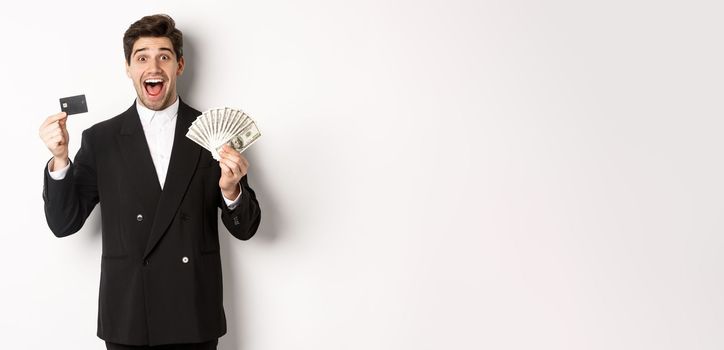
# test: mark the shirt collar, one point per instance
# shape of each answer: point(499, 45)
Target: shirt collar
point(147, 115)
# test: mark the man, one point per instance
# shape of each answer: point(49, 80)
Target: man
point(159, 194)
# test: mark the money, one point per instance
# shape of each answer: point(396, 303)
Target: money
point(243, 140)
point(221, 126)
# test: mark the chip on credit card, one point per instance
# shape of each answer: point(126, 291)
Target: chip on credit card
point(73, 104)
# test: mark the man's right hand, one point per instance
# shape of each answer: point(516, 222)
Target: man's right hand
point(55, 135)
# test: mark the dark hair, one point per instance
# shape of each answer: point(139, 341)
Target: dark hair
point(156, 26)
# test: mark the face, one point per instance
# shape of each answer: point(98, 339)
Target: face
point(153, 68)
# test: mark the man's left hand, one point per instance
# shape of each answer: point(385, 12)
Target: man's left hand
point(233, 168)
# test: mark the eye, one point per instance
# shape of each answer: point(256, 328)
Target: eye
point(142, 59)
point(165, 58)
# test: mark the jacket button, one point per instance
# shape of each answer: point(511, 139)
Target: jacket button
point(145, 262)
point(139, 217)
point(185, 260)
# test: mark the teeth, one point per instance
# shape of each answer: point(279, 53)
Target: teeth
point(153, 81)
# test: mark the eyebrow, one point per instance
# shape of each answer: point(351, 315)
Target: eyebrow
point(160, 49)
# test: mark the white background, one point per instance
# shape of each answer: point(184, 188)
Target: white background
point(433, 174)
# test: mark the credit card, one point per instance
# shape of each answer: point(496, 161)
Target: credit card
point(73, 104)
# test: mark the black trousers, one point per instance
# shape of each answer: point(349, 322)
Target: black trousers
point(210, 345)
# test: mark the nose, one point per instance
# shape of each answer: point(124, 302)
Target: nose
point(154, 66)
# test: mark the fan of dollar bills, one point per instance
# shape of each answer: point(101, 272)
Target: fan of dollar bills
point(219, 126)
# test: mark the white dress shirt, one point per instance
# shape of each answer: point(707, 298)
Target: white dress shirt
point(159, 128)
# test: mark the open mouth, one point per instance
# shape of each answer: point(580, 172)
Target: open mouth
point(153, 86)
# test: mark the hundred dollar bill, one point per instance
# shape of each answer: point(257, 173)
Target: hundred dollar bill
point(245, 138)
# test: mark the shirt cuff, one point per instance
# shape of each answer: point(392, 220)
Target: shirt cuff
point(60, 173)
point(232, 204)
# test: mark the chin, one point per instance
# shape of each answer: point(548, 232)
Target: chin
point(154, 105)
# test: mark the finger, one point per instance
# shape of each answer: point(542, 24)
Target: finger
point(49, 131)
point(52, 129)
point(48, 128)
point(236, 158)
point(56, 140)
point(238, 171)
point(54, 118)
point(231, 157)
point(225, 170)
point(230, 150)
point(44, 132)
point(232, 153)
point(232, 166)
point(54, 133)
point(243, 164)
point(59, 136)
point(243, 168)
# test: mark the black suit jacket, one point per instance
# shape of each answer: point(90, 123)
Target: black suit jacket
point(160, 266)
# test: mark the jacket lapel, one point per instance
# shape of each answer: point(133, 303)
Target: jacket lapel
point(137, 158)
point(182, 165)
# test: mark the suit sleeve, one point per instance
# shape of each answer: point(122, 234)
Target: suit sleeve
point(242, 221)
point(69, 201)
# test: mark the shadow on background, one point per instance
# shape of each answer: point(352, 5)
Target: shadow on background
point(186, 88)
point(268, 230)
point(268, 233)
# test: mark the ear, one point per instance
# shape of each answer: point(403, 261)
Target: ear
point(181, 65)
